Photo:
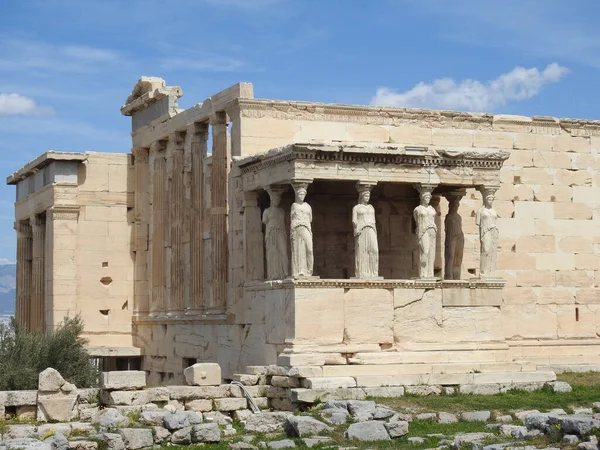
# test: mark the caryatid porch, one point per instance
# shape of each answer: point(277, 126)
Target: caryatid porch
point(323, 192)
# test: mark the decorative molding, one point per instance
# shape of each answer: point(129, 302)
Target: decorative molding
point(63, 212)
point(376, 115)
point(384, 154)
point(288, 283)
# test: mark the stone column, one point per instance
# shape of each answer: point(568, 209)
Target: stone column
point(301, 236)
point(38, 303)
point(157, 302)
point(176, 193)
point(219, 194)
point(486, 218)
point(24, 255)
point(141, 212)
point(426, 230)
point(199, 133)
point(254, 259)
point(438, 263)
point(454, 237)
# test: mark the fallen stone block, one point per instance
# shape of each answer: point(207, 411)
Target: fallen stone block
point(307, 426)
point(367, 431)
point(182, 436)
point(396, 428)
point(136, 438)
point(314, 395)
point(444, 417)
point(230, 404)
point(575, 424)
point(476, 416)
point(284, 443)
point(176, 421)
point(161, 435)
point(266, 422)
point(20, 398)
point(82, 445)
point(111, 418)
point(113, 441)
point(203, 374)
point(56, 407)
point(328, 383)
point(27, 444)
point(361, 410)
point(206, 432)
point(123, 380)
point(335, 416)
point(50, 380)
point(311, 442)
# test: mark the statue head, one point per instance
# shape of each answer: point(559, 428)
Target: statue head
point(425, 198)
point(300, 195)
point(488, 199)
point(364, 194)
point(275, 196)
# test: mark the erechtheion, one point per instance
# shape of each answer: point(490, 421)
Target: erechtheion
point(396, 246)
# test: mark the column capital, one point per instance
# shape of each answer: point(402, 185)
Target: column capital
point(198, 128)
point(218, 118)
point(177, 140)
point(37, 220)
point(63, 212)
point(362, 185)
point(158, 146)
point(140, 154)
point(488, 189)
point(455, 195)
point(275, 188)
point(300, 183)
point(424, 188)
point(22, 227)
point(250, 198)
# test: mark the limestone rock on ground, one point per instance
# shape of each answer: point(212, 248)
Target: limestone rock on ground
point(285, 443)
point(160, 434)
point(575, 424)
point(476, 416)
point(335, 416)
point(176, 421)
point(26, 444)
point(111, 418)
point(444, 417)
point(182, 436)
point(368, 431)
point(153, 417)
point(472, 438)
point(396, 428)
point(267, 422)
point(206, 432)
point(361, 410)
point(307, 426)
point(316, 440)
point(136, 438)
point(114, 441)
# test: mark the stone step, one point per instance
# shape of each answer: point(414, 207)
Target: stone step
point(454, 379)
point(432, 356)
point(353, 370)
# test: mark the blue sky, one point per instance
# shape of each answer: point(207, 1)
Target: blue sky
point(66, 66)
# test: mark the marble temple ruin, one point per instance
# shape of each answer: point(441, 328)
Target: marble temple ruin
point(395, 246)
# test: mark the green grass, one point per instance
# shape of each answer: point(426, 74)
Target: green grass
point(542, 400)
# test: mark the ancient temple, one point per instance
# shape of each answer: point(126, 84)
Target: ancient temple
point(394, 246)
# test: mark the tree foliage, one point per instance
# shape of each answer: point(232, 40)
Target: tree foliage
point(23, 355)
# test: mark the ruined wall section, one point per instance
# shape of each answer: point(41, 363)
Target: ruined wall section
point(548, 203)
point(102, 250)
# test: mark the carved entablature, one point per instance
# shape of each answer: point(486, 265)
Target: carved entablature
point(373, 162)
point(63, 212)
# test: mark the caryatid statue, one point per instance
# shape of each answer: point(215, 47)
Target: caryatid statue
point(455, 238)
point(424, 216)
point(486, 219)
point(301, 233)
point(276, 243)
point(366, 250)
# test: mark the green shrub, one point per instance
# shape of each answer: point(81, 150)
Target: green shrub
point(23, 355)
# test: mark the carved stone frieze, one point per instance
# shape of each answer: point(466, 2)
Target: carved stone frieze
point(65, 212)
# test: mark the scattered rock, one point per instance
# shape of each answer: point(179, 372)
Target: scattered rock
point(113, 441)
point(560, 386)
point(522, 415)
point(219, 418)
point(396, 428)
point(161, 434)
point(382, 413)
point(176, 421)
point(335, 416)
point(316, 440)
point(575, 424)
point(153, 417)
point(111, 418)
point(240, 446)
point(307, 426)
point(515, 431)
point(473, 438)
point(504, 418)
point(476, 416)
point(570, 439)
point(59, 442)
point(426, 416)
point(368, 431)
point(266, 422)
point(444, 417)
point(206, 432)
point(362, 410)
point(416, 440)
point(423, 390)
point(285, 443)
point(182, 436)
point(135, 438)
point(339, 404)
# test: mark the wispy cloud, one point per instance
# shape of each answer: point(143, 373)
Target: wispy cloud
point(540, 28)
point(217, 64)
point(473, 95)
point(20, 55)
point(15, 104)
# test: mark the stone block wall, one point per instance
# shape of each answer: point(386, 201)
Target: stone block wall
point(548, 206)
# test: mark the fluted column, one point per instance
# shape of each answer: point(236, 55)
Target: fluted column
point(176, 194)
point(199, 133)
point(24, 255)
point(254, 259)
point(141, 212)
point(37, 317)
point(157, 302)
point(219, 227)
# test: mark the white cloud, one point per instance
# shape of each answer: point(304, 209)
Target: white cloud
point(14, 104)
point(21, 55)
point(473, 95)
point(5, 261)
